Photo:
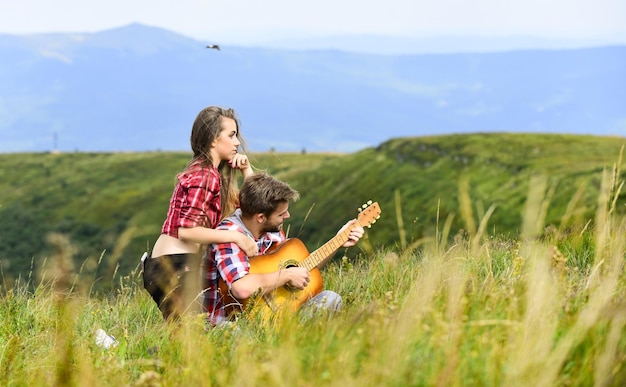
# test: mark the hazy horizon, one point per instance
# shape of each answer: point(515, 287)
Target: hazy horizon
point(333, 24)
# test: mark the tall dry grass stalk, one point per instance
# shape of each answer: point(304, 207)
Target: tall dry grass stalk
point(465, 205)
point(399, 219)
point(538, 357)
point(60, 273)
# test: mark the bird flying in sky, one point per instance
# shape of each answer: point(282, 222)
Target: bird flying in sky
point(214, 46)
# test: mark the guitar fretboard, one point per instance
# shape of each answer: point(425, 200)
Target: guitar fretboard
point(327, 249)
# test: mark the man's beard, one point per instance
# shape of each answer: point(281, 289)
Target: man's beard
point(272, 227)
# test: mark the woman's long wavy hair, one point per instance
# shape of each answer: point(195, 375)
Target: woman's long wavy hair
point(205, 129)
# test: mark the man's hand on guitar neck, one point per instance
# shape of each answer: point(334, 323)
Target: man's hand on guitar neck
point(356, 233)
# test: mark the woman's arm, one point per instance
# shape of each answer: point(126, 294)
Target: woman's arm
point(206, 236)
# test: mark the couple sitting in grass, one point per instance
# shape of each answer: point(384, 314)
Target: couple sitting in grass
point(273, 277)
point(195, 232)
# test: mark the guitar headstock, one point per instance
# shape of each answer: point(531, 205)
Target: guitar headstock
point(368, 213)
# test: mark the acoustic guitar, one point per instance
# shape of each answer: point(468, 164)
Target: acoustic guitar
point(293, 253)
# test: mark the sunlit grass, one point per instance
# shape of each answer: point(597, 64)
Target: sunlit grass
point(547, 308)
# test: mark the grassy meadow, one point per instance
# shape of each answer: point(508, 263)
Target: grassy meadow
point(447, 301)
point(474, 311)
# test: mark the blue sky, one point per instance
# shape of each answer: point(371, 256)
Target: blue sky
point(253, 21)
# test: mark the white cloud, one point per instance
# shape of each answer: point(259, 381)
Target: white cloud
point(479, 108)
point(56, 55)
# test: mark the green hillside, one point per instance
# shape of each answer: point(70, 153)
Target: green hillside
point(422, 178)
point(112, 205)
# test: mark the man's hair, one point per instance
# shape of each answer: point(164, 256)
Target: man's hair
point(262, 194)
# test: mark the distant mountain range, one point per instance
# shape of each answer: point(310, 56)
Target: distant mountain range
point(440, 44)
point(139, 88)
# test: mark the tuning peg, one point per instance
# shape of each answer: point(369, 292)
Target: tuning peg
point(359, 209)
point(369, 202)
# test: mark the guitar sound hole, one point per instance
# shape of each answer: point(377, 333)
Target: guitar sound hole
point(287, 286)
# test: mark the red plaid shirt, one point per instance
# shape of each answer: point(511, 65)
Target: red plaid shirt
point(195, 201)
point(228, 261)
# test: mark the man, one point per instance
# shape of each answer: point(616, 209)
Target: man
point(264, 206)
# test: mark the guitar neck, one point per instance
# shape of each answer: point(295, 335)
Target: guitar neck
point(368, 213)
point(324, 252)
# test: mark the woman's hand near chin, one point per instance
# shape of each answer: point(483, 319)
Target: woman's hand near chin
point(241, 162)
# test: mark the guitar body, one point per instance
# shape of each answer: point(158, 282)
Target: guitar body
point(288, 254)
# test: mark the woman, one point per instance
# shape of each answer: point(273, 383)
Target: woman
point(206, 191)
